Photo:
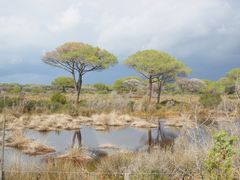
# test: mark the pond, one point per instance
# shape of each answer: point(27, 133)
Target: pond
point(125, 138)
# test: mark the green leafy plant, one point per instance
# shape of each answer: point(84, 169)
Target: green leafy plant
point(210, 99)
point(59, 98)
point(220, 158)
point(8, 102)
point(15, 90)
point(101, 88)
point(37, 90)
point(63, 82)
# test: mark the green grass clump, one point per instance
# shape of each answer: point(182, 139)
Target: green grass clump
point(59, 98)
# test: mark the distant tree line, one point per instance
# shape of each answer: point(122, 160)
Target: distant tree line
point(159, 72)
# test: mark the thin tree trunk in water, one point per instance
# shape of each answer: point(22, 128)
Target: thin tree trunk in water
point(159, 91)
point(150, 89)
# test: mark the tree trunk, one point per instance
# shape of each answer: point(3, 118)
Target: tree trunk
point(75, 81)
point(150, 89)
point(159, 91)
point(79, 87)
point(63, 89)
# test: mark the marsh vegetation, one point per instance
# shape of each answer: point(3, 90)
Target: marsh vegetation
point(157, 126)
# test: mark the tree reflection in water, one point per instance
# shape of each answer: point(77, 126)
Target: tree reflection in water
point(77, 135)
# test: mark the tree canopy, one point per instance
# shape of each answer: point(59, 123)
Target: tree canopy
point(78, 59)
point(155, 63)
point(156, 66)
point(79, 56)
point(230, 83)
point(233, 74)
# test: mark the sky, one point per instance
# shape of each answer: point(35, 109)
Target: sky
point(204, 34)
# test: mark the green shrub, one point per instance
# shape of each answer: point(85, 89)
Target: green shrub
point(8, 102)
point(29, 106)
point(63, 82)
point(37, 106)
point(58, 98)
point(101, 88)
point(37, 90)
point(208, 99)
point(230, 90)
point(15, 90)
point(220, 158)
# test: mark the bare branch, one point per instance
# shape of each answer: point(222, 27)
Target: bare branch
point(63, 65)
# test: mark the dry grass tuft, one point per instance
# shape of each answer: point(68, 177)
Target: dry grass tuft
point(28, 146)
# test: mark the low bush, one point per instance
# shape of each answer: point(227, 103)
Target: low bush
point(59, 98)
point(38, 90)
point(101, 88)
point(210, 100)
point(230, 90)
point(220, 158)
point(8, 102)
point(15, 90)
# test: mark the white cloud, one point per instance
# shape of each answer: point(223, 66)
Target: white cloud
point(14, 30)
point(188, 29)
point(121, 26)
point(67, 19)
point(165, 24)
